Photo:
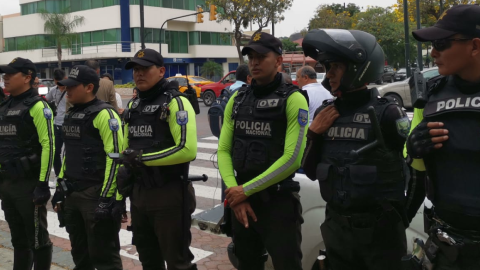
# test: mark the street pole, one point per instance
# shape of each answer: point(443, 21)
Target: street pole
point(142, 24)
point(407, 38)
point(441, 7)
point(419, 44)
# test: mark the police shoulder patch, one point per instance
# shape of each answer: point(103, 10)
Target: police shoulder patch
point(114, 125)
point(302, 117)
point(135, 103)
point(403, 126)
point(182, 118)
point(47, 113)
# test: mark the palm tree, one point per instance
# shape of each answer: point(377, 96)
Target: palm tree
point(61, 27)
point(210, 69)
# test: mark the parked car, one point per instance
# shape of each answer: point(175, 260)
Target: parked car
point(388, 75)
point(210, 92)
point(314, 214)
point(401, 75)
point(182, 83)
point(401, 90)
point(44, 86)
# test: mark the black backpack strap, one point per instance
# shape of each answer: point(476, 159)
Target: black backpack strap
point(435, 84)
point(242, 94)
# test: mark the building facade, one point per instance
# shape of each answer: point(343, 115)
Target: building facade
point(111, 34)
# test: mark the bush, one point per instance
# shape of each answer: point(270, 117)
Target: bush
point(127, 85)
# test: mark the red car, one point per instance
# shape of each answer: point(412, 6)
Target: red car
point(210, 92)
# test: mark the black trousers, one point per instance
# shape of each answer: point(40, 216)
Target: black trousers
point(27, 222)
point(57, 160)
point(365, 245)
point(161, 226)
point(277, 231)
point(95, 244)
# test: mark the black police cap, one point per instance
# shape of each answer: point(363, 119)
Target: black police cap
point(460, 19)
point(263, 43)
point(146, 58)
point(20, 65)
point(81, 74)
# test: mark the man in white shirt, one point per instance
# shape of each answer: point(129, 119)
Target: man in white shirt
point(307, 80)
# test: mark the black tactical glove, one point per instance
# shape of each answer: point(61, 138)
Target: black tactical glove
point(419, 143)
point(58, 196)
point(104, 208)
point(41, 194)
point(132, 158)
point(119, 209)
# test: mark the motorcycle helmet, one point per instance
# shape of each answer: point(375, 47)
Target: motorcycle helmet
point(359, 50)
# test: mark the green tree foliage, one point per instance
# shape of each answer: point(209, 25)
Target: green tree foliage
point(241, 12)
point(429, 9)
point(210, 69)
point(61, 26)
point(382, 23)
point(334, 16)
point(289, 46)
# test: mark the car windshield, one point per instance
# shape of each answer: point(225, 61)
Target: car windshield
point(320, 76)
point(48, 83)
point(402, 70)
point(430, 73)
point(198, 79)
point(293, 76)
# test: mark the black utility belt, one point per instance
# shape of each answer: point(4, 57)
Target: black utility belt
point(434, 224)
point(20, 167)
point(382, 213)
point(80, 185)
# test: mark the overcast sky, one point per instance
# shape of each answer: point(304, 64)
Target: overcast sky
point(296, 18)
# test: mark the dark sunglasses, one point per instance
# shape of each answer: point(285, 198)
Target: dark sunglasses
point(443, 44)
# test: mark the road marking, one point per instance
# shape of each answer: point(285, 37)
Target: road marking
point(207, 156)
point(207, 145)
point(124, 236)
point(212, 138)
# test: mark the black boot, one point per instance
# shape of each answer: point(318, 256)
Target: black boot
point(22, 259)
point(42, 258)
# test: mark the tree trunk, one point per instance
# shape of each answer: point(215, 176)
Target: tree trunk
point(238, 43)
point(59, 56)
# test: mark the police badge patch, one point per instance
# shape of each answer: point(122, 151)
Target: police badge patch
point(114, 126)
point(47, 113)
point(182, 118)
point(403, 126)
point(302, 117)
point(135, 103)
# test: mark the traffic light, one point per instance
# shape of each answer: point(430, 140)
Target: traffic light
point(200, 15)
point(213, 13)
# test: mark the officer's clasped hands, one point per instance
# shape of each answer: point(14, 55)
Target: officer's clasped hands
point(425, 137)
point(41, 194)
point(132, 158)
point(242, 211)
point(119, 211)
point(324, 120)
point(235, 195)
point(58, 196)
point(104, 208)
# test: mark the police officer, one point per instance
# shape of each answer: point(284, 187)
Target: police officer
point(365, 219)
point(91, 130)
point(262, 140)
point(161, 138)
point(26, 158)
point(444, 139)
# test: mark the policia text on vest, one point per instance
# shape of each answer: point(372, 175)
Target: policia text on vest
point(26, 160)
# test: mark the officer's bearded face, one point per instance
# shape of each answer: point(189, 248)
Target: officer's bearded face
point(147, 77)
point(263, 67)
point(16, 83)
point(335, 74)
point(458, 59)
